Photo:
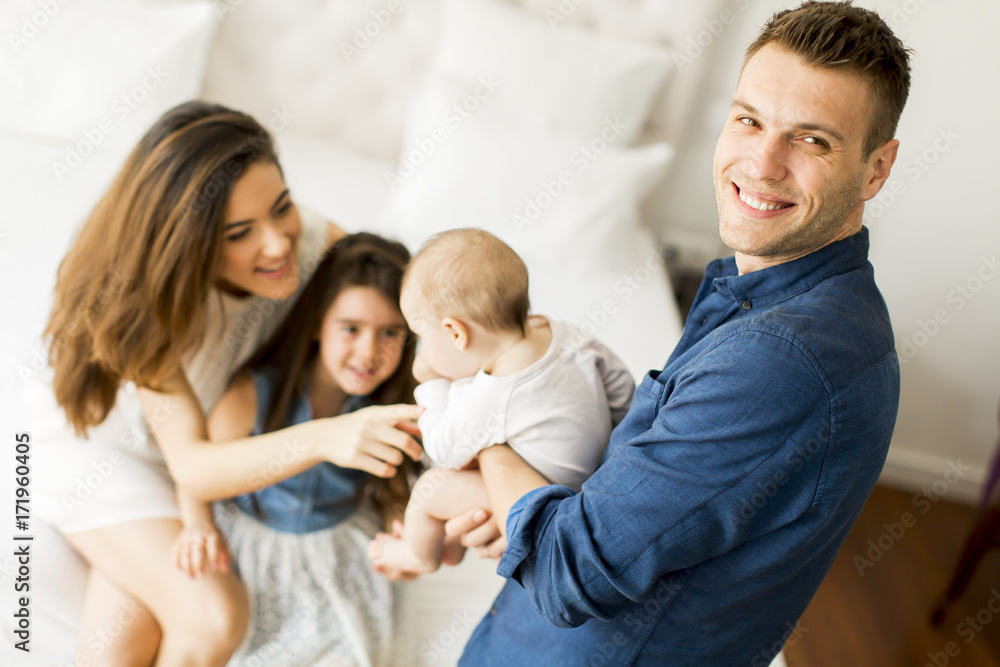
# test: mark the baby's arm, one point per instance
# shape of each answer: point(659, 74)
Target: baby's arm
point(450, 427)
point(618, 382)
point(432, 395)
point(200, 546)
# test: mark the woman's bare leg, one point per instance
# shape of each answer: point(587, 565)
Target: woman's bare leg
point(117, 630)
point(202, 621)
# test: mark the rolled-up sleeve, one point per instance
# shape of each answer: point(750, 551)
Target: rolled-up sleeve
point(680, 485)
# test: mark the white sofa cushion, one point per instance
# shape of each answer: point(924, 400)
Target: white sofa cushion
point(347, 70)
point(95, 76)
point(569, 208)
point(564, 80)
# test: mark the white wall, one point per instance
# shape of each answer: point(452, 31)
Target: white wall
point(932, 226)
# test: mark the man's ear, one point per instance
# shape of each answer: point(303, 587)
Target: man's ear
point(458, 331)
point(877, 171)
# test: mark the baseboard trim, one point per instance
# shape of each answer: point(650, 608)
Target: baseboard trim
point(924, 473)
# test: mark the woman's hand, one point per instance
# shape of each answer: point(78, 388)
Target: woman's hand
point(372, 439)
point(479, 531)
point(200, 547)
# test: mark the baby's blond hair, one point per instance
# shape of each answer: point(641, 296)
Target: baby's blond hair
point(471, 273)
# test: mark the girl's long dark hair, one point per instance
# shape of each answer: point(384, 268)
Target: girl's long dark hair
point(357, 260)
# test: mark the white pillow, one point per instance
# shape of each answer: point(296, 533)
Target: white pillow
point(565, 80)
point(566, 206)
point(95, 76)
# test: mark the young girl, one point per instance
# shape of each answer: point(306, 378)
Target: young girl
point(300, 544)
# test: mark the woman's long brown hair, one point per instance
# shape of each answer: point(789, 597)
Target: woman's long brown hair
point(357, 260)
point(130, 295)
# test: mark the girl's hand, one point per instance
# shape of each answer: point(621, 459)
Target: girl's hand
point(478, 530)
point(422, 371)
point(373, 439)
point(199, 548)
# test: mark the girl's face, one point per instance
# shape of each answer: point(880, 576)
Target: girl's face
point(361, 340)
point(260, 239)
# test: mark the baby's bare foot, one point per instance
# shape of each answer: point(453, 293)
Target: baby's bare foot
point(392, 556)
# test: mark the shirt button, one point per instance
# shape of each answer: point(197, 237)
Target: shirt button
point(746, 305)
point(493, 610)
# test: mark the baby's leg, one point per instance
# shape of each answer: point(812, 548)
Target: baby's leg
point(438, 495)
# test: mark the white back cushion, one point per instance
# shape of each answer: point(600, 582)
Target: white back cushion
point(94, 76)
point(347, 70)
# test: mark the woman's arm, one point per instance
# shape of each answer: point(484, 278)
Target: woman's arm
point(366, 440)
point(199, 547)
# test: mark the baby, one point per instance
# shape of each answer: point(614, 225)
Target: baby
point(491, 374)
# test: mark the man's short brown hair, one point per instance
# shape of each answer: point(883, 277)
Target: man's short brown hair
point(837, 35)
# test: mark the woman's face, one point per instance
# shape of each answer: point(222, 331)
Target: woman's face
point(260, 237)
point(361, 340)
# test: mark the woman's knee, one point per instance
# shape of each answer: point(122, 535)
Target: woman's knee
point(215, 616)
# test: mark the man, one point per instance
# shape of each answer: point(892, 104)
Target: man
point(727, 490)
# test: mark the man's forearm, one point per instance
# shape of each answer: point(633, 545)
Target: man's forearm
point(507, 477)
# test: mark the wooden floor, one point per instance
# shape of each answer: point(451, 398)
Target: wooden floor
point(879, 618)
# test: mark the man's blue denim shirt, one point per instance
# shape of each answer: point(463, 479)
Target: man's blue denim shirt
point(727, 490)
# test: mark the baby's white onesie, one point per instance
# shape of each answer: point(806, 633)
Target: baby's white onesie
point(557, 413)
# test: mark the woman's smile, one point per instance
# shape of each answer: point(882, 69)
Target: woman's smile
point(279, 271)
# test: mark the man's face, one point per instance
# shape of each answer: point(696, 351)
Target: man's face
point(789, 175)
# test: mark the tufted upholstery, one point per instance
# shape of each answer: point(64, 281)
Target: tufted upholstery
point(311, 57)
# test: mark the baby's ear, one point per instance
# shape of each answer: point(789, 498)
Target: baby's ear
point(458, 331)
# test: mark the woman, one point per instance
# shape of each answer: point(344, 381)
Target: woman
point(188, 262)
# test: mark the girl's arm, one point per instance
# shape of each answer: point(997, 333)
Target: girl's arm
point(366, 440)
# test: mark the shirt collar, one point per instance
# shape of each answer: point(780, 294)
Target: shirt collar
point(783, 281)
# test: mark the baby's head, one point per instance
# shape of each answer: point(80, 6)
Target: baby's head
point(463, 293)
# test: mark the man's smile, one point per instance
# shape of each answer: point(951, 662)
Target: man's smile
point(759, 204)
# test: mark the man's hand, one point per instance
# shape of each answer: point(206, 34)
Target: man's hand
point(478, 530)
